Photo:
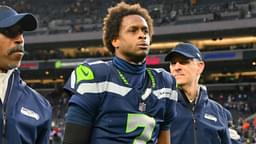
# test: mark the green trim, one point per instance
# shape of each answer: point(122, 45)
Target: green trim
point(122, 77)
point(83, 73)
point(150, 74)
point(152, 78)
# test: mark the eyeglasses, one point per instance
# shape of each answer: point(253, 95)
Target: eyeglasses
point(12, 32)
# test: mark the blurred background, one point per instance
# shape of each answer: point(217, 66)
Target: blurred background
point(71, 31)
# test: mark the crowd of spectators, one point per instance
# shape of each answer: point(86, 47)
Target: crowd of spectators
point(59, 101)
point(86, 15)
point(75, 53)
point(241, 102)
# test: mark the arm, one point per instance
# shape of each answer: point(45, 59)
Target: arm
point(76, 134)
point(44, 133)
point(164, 137)
point(235, 137)
point(77, 126)
point(83, 105)
point(44, 129)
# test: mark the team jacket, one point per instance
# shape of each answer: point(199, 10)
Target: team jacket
point(113, 108)
point(25, 115)
point(204, 123)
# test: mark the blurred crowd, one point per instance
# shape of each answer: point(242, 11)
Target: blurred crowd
point(86, 15)
point(241, 102)
point(76, 53)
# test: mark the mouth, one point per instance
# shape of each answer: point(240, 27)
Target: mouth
point(178, 75)
point(16, 51)
point(143, 45)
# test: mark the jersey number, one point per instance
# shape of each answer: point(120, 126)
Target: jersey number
point(135, 121)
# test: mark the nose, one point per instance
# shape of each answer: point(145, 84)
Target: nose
point(19, 39)
point(175, 66)
point(142, 35)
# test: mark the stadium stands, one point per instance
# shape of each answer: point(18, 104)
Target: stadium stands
point(67, 16)
point(47, 66)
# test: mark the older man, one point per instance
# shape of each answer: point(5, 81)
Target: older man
point(199, 120)
point(25, 115)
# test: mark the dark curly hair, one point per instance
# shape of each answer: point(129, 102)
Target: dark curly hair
point(113, 19)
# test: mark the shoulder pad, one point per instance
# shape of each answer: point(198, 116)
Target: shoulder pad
point(88, 72)
point(165, 77)
point(159, 70)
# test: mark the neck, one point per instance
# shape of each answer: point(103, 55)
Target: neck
point(191, 91)
point(136, 60)
point(129, 67)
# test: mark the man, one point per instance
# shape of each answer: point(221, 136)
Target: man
point(25, 115)
point(199, 120)
point(121, 101)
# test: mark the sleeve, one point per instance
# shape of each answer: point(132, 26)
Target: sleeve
point(87, 84)
point(82, 110)
point(170, 84)
point(44, 132)
point(235, 137)
point(225, 137)
point(225, 117)
point(76, 134)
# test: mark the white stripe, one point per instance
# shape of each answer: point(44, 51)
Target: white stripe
point(103, 87)
point(146, 94)
point(73, 80)
point(96, 62)
point(166, 93)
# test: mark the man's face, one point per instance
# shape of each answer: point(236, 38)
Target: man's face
point(132, 43)
point(11, 47)
point(186, 71)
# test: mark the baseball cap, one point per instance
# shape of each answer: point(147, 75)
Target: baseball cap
point(186, 49)
point(9, 17)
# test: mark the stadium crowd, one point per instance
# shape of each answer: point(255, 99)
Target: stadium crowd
point(56, 53)
point(241, 103)
point(85, 15)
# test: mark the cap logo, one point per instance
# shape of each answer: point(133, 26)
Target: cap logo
point(199, 56)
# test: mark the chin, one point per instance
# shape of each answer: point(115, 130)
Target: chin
point(180, 82)
point(139, 59)
point(13, 65)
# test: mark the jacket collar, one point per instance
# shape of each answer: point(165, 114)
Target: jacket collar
point(202, 97)
point(15, 89)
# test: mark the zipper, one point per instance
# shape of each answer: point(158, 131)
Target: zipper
point(4, 113)
point(194, 123)
point(4, 123)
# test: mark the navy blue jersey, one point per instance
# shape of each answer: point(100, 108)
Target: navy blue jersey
point(120, 113)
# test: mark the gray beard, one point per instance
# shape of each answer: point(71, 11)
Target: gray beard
point(10, 66)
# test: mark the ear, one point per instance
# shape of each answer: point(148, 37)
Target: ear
point(201, 66)
point(115, 43)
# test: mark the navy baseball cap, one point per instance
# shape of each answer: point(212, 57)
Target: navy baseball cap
point(186, 49)
point(9, 17)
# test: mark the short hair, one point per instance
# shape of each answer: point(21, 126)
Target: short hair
point(113, 19)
